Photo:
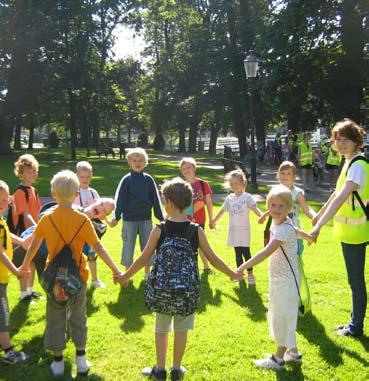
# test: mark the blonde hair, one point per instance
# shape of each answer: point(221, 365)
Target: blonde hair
point(64, 184)
point(137, 152)
point(188, 160)
point(83, 166)
point(287, 165)
point(109, 201)
point(236, 174)
point(179, 192)
point(23, 161)
point(4, 186)
point(283, 193)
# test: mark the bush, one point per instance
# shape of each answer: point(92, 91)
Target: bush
point(159, 142)
point(53, 139)
point(142, 140)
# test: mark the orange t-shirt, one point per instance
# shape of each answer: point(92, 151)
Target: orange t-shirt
point(68, 221)
point(22, 206)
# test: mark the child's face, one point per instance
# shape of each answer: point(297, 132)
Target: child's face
point(29, 175)
point(84, 177)
point(278, 210)
point(345, 146)
point(286, 177)
point(4, 201)
point(137, 163)
point(188, 170)
point(236, 185)
point(102, 209)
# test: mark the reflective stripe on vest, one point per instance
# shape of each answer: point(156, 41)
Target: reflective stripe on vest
point(351, 221)
point(306, 154)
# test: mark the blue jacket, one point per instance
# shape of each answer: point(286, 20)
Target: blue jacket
point(136, 195)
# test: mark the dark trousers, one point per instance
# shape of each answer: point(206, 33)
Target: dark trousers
point(355, 266)
point(242, 255)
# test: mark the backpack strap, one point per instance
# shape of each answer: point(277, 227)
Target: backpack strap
point(75, 235)
point(25, 190)
point(5, 236)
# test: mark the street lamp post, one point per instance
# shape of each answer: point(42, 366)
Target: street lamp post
point(251, 64)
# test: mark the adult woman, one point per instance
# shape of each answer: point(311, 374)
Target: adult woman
point(351, 226)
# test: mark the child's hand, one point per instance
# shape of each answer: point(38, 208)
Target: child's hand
point(310, 239)
point(112, 223)
point(314, 234)
point(117, 276)
point(237, 276)
point(23, 273)
point(211, 224)
point(315, 219)
point(262, 218)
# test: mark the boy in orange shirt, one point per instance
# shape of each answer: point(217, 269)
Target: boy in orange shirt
point(58, 227)
point(26, 205)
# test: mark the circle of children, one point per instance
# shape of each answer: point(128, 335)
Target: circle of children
point(68, 232)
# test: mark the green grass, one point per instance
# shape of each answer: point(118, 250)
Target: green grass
point(230, 326)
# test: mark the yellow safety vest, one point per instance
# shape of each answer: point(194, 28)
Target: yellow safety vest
point(334, 157)
point(350, 225)
point(306, 154)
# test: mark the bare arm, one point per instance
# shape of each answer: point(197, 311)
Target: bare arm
point(209, 206)
point(323, 209)
point(261, 255)
point(100, 250)
point(31, 252)
point(303, 235)
point(256, 210)
point(220, 213)
point(28, 216)
point(263, 217)
point(213, 258)
point(305, 206)
point(10, 265)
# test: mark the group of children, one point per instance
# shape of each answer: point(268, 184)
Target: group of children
point(137, 195)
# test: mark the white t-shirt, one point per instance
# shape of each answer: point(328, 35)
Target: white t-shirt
point(356, 174)
point(278, 265)
point(295, 214)
point(86, 197)
point(239, 222)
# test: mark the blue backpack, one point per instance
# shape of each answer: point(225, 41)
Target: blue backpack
point(173, 287)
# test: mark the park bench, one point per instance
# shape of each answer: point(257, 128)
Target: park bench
point(105, 150)
point(230, 164)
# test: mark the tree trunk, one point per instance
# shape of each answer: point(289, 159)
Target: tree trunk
point(31, 127)
point(17, 133)
point(6, 133)
point(73, 127)
point(181, 135)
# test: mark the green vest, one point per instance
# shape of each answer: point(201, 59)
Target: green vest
point(324, 148)
point(334, 157)
point(306, 154)
point(350, 225)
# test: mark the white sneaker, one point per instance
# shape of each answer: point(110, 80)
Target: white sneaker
point(290, 356)
point(57, 368)
point(83, 365)
point(98, 284)
point(269, 363)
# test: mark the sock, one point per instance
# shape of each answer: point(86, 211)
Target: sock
point(58, 358)
point(80, 352)
point(6, 350)
point(23, 294)
point(29, 290)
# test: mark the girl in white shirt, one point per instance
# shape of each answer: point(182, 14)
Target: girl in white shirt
point(283, 273)
point(238, 205)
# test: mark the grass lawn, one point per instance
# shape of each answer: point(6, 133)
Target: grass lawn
point(230, 327)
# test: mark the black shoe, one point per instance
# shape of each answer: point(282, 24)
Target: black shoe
point(348, 332)
point(26, 299)
point(155, 374)
point(177, 374)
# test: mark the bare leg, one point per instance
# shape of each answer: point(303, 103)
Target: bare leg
point(93, 269)
point(180, 341)
point(5, 341)
point(161, 344)
point(204, 260)
point(280, 352)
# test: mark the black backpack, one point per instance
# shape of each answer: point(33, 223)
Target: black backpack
point(61, 279)
point(173, 287)
point(355, 194)
point(20, 226)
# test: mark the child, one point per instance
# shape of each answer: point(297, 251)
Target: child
point(135, 196)
point(57, 227)
point(283, 295)
point(305, 159)
point(26, 205)
point(178, 195)
point(238, 204)
point(318, 166)
point(7, 266)
point(286, 176)
point(201, 198)
point(86, 196)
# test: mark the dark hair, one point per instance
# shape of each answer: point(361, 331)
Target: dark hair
point(348, 129)
point(179, 192)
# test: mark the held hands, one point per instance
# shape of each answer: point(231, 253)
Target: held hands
point(315, 219)
point(112, 223)
point(237, 276)
point(212, 224)
point(121, 278)
point(262, 218)
point(22, 272)
point(315, 233)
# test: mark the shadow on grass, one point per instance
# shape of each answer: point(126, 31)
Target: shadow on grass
point(207, 296)
point(90, 307)
point(18, 317)
point(314, 332)
point(292, 372)
point(130, 307)
point(249, 297)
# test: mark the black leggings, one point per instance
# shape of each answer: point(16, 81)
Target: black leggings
point(242, 253)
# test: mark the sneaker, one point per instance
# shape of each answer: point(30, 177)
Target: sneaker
point(155, 373)
point(98, 284)
point(35, 295)
point(269, 363)
point(83, 365)
point(26, 299)
point(12, 357)
point(348, 332)
point(251, 279)
point(341, 326)
point(209, 271)
point(290, 356)
point(57, 368)
point(177, 374)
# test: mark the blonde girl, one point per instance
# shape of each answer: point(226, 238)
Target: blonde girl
point(283, 295)
point(238, 205)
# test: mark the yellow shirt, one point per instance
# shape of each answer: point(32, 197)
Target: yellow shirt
point(6, 244)
point(68, 221)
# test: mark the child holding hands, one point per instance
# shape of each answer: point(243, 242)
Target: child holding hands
point(238, 204)
point(283, 274)
point(178, 195)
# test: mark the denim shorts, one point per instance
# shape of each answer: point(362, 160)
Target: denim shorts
point(129, 235)
point(4, 309)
